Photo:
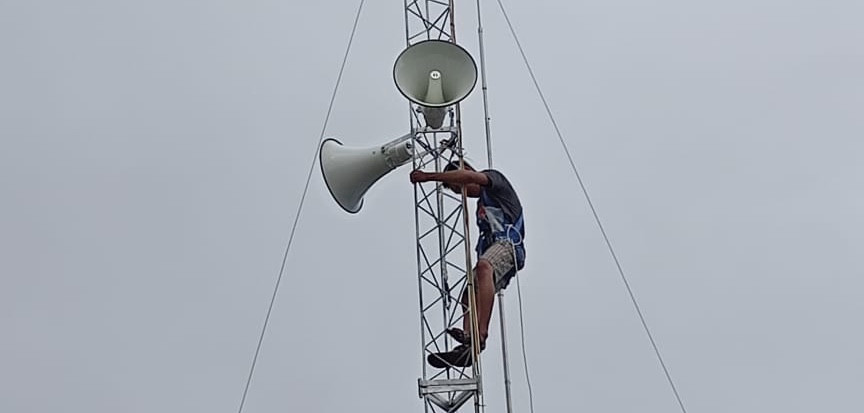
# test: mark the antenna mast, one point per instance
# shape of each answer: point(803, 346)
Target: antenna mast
point(505, 357)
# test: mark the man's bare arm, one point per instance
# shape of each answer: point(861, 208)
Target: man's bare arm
point(460, 177)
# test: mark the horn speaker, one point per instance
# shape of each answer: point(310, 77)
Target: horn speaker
point(435, 74)
point(350, 172)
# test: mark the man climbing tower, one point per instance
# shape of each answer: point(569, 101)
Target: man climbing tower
point(500, 249)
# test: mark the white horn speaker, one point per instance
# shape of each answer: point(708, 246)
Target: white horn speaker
point(435, 73)
point(350, 172)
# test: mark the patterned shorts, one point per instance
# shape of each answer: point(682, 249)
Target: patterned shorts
point(500, 255)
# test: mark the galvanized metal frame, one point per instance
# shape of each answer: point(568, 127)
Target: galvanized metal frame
point(443, 241)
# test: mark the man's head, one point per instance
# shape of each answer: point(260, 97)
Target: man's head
point(472, 189)
point(454, 165)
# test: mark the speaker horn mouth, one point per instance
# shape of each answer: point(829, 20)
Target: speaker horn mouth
point(431, 61)
point(327, 182)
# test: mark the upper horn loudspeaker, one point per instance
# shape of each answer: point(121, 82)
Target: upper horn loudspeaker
point(435, 73)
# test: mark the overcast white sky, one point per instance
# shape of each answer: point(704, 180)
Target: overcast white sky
point(153, 154)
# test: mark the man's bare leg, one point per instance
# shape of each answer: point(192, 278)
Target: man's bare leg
point(484, 290)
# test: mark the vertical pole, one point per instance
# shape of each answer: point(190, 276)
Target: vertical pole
point(504, 354)
point(484, 85)
point(475, 344)
point(505, 357)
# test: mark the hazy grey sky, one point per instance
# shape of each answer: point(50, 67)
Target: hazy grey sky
point(154, 153)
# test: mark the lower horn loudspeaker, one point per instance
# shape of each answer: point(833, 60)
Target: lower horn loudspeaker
point(350, 172)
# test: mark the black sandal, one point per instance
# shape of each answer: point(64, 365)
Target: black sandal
point(460, 356)
point(462, 338)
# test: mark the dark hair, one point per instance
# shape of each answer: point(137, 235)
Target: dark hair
point(454, 165)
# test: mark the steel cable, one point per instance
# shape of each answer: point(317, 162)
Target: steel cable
point(299, 209)
point(593, 209)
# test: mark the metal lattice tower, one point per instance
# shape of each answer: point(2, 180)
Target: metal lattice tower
point(443, 244)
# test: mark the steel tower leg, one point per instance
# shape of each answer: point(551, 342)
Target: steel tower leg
point(443, 243)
